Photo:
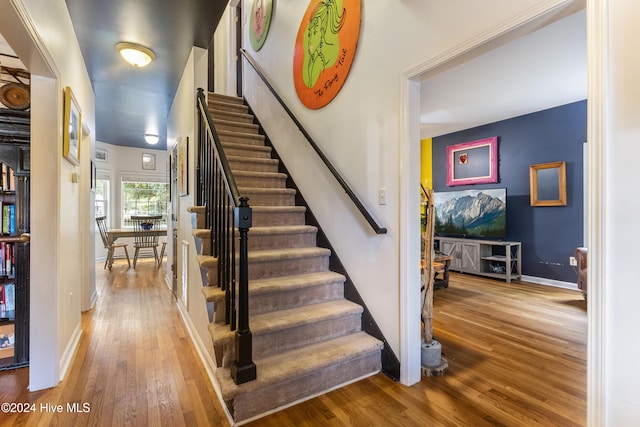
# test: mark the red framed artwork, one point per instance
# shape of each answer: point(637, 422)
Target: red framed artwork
point(324, 50)
point(474, 162)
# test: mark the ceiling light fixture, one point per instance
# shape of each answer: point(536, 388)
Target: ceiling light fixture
point(135, 54)
point(151, 138)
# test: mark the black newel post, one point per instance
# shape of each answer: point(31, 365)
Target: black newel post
point(243, 369)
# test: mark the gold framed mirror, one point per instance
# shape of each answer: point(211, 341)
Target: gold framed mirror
point(548, 184)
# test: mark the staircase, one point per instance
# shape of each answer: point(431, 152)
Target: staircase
point(307, 338)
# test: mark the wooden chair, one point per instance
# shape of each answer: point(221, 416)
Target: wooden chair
point(110, 247)
point(164, 247)
point(142, 238)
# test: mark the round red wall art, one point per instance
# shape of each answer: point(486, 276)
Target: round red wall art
point(324, 50)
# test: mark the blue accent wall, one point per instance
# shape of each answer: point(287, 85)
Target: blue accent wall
point(550, 234)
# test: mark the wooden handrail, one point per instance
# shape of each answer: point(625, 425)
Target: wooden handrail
point(363, 210)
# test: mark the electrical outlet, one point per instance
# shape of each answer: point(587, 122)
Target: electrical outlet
point(573, 261)
point(382, 196)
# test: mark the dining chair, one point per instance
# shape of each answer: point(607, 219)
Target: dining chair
point(110, 247)
point(142, 236)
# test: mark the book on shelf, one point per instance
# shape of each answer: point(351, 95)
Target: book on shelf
point(7, 178)
point(8, 218)
point(7, 259)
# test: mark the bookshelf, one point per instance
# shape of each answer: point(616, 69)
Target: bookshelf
point(14, 256)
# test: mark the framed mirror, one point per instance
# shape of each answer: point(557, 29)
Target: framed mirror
point(548, 184)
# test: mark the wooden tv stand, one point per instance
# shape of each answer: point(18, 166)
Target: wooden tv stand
point(491, 258)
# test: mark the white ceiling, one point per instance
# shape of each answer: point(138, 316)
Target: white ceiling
point(540, 70)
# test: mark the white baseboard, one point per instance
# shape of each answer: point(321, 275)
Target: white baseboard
point(93, 300)
point(208, 363)
point(69, 352)
point(550, 282)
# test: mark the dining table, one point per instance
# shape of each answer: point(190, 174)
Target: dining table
point(114, 234)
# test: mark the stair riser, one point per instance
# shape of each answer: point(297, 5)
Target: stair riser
point(234, 126)
point(260, 302)
point(264, 219)
point(263, 303)
point(213, 97)
point(299, 336)
point(228, 107)
point(260, 182)
point(247, 152)
point(223, 115)
point(269, 398)
point(287, 267)
point(279, 241)
point(243, 165)
point(242, 138)
point(270, 199)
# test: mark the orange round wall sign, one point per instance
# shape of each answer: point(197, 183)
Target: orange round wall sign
point(325, 48)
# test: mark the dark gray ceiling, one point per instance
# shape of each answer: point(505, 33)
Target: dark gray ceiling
point(133, 101)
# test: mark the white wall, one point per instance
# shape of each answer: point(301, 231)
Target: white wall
point(614, 132)
point(224, 53)
point(40, 32)
point(361, 131)
point(182, 124)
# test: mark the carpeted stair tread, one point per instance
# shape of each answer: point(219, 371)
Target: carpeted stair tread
point(201, 233)
point(222, 105)
point(206, 261)
point(279, 284)
point(284, 229)
point(211, 96)
point(245, 128)
point(230, 116)
point(260, 190)
point(265, 175)
point(297, 281)
point(250, 160)
point(279, 209)
point(250, 137)
point(212, 293)
point(283, 367)
point(247, 147)
point(284, 320)
point(287, 254)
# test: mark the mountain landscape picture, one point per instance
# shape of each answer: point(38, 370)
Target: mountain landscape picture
point(471, 213)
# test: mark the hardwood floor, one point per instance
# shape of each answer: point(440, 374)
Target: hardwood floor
point(516, 352)
point(136, 364)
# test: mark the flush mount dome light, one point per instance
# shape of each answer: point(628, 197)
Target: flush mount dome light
point(135, 54)
point(151, 138)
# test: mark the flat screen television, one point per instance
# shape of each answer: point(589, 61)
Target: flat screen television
point(471, 213)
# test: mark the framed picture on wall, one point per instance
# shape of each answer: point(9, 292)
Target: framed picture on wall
point(72, 128)
point(101, 156)
point(474, 162)
point(548, 184)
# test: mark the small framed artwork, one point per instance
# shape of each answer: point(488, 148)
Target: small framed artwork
point(183, 166)
point(260, 22)
point(474, 162)
point(101, 156)
point(148, 162)
point(548, 184)
point(72, 127)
